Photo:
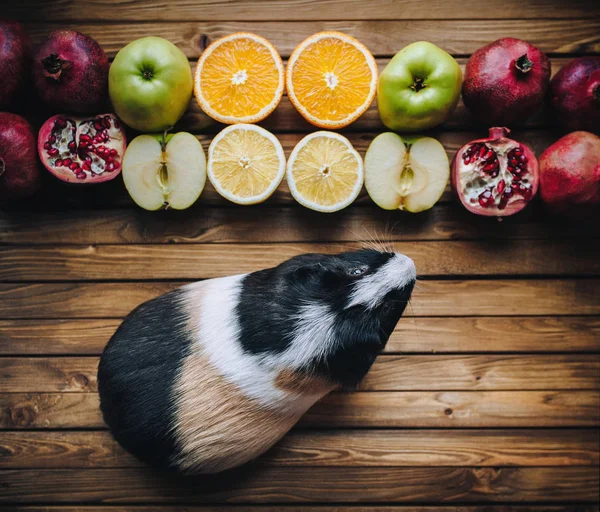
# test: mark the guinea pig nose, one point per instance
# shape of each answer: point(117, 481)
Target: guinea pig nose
point(406, 266)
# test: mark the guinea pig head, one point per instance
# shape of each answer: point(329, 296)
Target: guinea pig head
point(327, 315)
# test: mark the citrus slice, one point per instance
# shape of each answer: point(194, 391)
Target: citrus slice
point(239, 79)
point(246, 163)
point(324, 172)
point(331, 79)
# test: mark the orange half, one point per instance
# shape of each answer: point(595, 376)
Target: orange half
point(239, 79)
point(331, 79)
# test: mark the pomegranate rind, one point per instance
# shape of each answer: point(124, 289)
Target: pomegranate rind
point(117, 142)
point(502, 144)
point(570, 174)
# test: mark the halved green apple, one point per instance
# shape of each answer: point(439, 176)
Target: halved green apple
point(164, 172)
point(409, 173)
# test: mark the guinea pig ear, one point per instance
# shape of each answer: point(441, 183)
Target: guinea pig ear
point(307, 271)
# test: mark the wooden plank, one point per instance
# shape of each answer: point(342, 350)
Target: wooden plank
point(479, 372)
point(389, 373)
point(292, 508)
point(57, 195)
point(304, 485)
point(502, 297)
point(200, 224)
point(457, 37)
point(265, 10)
point(435, 335)
point(407, 409)
point(347, 448)
point(202, 261)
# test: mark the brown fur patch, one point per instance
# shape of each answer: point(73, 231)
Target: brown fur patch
point(217, 426)
point(301, 383)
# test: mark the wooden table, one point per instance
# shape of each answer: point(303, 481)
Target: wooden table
point(488, 392)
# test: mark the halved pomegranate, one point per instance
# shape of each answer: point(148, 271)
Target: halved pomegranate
point(496, 176)
point(82, 149)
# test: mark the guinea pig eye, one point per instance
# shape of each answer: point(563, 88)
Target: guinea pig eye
point(357, 271)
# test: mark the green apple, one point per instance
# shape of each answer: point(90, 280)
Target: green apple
point(150, 84)
point(409, 173)
point(164, 172)
point(419, 88)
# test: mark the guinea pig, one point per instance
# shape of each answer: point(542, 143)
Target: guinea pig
point(211, 375)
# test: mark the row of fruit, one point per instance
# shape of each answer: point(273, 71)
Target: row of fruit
point(331, 79)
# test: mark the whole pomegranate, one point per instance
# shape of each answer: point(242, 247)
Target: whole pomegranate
point(506, 81)
point(15, 61)
point(570, 174)
point(82, 150)
point(575, 95)
point(70, 73)
point(496, 176)
point(19, 166)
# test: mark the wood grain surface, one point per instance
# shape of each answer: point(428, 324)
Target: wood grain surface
point(343, 448)
point(432, 298)
point(302, 484)
point(428, 335)
point(389, 373)
point(487, 396)
point(396, 409)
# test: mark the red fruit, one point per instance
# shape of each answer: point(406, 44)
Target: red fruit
point(82, 164)
point(19, 166)
point(15, 61)
point(570, 174)
point(575, 95)
point(496, 176)
point(506, 81)
point(70, 73)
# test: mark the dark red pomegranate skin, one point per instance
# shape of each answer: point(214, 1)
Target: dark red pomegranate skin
point(70, 73)
point(506, 82)
point(15, 62)
point(570, 175)
point(19, 166)
point(575, 95)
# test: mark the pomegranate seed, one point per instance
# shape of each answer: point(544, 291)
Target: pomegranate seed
point(113, 152)
point(98, 125)
point(47, 145)
point(486, 198)
point(518, 151)
point(86, 166)
point(508, 192)
point(58, 163)
point(488, 155)
point(110, 167)
point(52, 139)
point(106, 121)
point(116, 123)
point(67, 162)
point(91, 148)
point(514, 162)
point(60, 123)
point(523, 159)
point(80, 175)
point(84, 137)
point(482, 151)
point(490, 167)
point(74, 166)
point(501, 185)
point(53, 152)
point(72, 146)
point(83, 144)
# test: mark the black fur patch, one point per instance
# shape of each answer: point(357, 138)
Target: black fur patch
point(136, 375)
point(271, 300)
point(360, 335)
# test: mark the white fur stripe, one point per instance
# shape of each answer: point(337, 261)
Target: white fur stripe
point(370, 290)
